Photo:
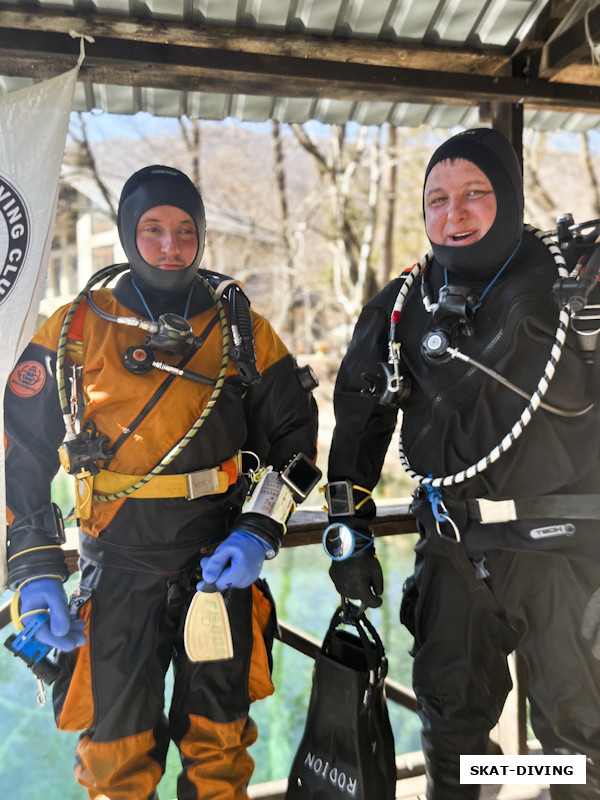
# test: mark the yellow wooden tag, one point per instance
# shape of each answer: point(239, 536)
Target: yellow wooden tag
point(84, 487)
point(207, 634)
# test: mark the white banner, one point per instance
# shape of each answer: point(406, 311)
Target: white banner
point(33, 132)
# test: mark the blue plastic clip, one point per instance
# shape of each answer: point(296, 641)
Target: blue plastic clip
point(25, 643)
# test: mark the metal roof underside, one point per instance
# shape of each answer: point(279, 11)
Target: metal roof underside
point(406, 62)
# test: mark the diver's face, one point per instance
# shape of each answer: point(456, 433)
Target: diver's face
point(459, 203)
point(167, 238)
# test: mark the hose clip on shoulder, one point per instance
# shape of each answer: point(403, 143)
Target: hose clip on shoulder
point(388, 385)
point(243, 352)
point(25, 646)
point(271, 498)
point(340, 541)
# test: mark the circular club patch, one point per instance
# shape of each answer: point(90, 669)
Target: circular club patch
point(14, 236)
point(27, 379)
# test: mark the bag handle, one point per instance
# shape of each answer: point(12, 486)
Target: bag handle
point(350, 614)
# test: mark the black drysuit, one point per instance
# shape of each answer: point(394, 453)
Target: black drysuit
point(542, 571)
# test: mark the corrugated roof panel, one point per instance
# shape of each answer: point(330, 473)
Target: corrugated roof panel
point(201, 105)
point(409, 115)
point(411, 18)
point(361, 18)
point(293, 109)
point(163, 102)
point(372, 113)
point(580, 123)
point(448, 116)
point(496, 26)
point(333, 112)
point(218, 12)
point(317, 17)
point(507, 21)
point(116, 99)
point(456, 20)
point(561, 120)
point(168, 9)
point(446, 21)
point(252, 108)
point(8, 85)
point(265, 14)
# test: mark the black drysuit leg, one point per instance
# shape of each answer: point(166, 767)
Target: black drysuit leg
point(461, 676)
point(460, 673)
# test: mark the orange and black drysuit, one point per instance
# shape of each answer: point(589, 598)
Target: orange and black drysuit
point(140, 554)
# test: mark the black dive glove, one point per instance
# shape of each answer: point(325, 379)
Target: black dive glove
point(359, 577)
point(348, 541)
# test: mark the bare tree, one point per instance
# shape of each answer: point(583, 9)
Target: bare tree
point(191, 134)
point(290, 281)
point(343, 164)
point(83, 160)
point(386, 262)
point(589, 163)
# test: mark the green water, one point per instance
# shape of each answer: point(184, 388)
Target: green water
point(36, 760)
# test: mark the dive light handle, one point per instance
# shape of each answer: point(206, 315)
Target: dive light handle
point(27, 647)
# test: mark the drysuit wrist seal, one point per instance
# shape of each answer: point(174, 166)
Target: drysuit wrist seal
point(34, 546)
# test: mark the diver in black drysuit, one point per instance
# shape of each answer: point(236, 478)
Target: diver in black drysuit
point(483, 589)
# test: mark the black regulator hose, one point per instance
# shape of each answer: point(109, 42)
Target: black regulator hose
point(243, 352)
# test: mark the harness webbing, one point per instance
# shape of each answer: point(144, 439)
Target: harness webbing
point(535, 399)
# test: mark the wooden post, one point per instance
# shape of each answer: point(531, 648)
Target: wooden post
point(508, 119)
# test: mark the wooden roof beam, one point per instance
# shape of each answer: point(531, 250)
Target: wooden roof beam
point(236, 40)
point(571, 44)
point(117, 61)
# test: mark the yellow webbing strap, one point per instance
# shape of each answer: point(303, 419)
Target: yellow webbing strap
point(107, 482)
point(365, 499)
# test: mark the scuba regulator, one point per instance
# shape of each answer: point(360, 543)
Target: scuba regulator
point(578, 251)
point(80, 454)
point(451, 318)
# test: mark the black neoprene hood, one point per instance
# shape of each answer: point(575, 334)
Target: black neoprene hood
point(491, 151)
point(159, 186)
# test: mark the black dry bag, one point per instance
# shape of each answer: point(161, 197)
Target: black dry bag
point(347, 749)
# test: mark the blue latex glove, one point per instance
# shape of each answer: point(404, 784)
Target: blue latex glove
point(236, 563)
point(61, 631)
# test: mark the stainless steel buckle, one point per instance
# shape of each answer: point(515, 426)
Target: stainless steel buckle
point(201, 483)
